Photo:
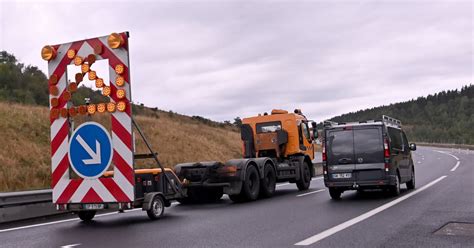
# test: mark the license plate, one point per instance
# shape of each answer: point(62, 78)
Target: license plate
point(342, 175)
point(93, 206)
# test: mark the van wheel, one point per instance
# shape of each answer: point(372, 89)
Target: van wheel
point(157, 208)
point(305, 179)
point(394, 190)
point(411, 184)
point(335, 193)
point(86, 215)
point(268, 183)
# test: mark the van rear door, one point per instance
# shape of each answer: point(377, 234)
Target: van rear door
point(340, 150)
point(368, 148)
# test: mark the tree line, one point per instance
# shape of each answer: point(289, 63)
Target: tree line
point(445, 117)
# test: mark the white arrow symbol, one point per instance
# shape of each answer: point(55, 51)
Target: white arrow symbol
point(95, 156)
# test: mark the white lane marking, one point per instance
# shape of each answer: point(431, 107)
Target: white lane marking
point(312, 192)
point(457, 159)
point(344, 225)
point(456, 166)
point(71, 245)
point(419, 162)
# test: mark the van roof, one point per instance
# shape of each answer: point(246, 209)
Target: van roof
point(361, 123)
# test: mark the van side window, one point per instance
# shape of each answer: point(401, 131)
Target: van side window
point(405, 142)
point(395, 137)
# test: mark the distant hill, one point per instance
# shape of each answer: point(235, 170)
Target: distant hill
point(445, 117)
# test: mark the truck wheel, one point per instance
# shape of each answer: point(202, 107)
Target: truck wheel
point(251, 185)
point(157, 208)
point(394, 190)
point(86, 215)
point(335, 193)
point(305, 179)
point(237, 198)
point(268, 183)
point(411, 183)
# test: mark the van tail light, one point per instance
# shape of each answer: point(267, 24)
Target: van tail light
point(324, 154)
point(386, 151)
point(386, 154)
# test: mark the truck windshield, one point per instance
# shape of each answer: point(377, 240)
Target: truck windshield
point(267, 127)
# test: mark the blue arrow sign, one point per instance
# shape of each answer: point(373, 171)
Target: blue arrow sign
point(90, 150)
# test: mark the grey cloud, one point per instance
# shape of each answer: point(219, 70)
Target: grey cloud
point(238, 58)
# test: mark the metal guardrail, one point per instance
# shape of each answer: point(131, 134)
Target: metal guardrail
point(26, 205)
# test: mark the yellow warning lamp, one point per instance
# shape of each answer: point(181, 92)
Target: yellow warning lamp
point(85, 68)
point(72, 111)
point(66, 96)
point(101, 107)
point(91, 59)
point(82, 110)
point(48, 53)
point(111, 107)
point(71, 53)
point(79, 77)
point(119, 69)
point(106, 91)
point(99, 83)
point(53, 90)
point(63, 112)
point(78, 60)
point(72, 87)
point(120, 94)
point(53, 79)
point(120, 81)
point(54, 113)
point(115, 40)
point(91, 109)
point(121, 106)
point(54, 102)
point(92, 75)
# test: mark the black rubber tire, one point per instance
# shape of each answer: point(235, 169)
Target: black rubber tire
point(237, 198)
point(86, 215)
point(411, 184)
point(251, 185)
point(394, 190)
point(268, 183)
point(157, 208)
point(305, 179)
point(335, 193)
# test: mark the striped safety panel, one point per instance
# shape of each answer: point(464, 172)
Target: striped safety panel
point(114, 48)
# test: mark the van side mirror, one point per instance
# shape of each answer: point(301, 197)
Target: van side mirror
point(315, 130)
point(413, 146)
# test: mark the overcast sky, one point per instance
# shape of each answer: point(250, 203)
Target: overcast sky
point(222, 59)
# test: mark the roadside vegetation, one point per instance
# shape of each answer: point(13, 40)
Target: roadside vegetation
point(445, 117)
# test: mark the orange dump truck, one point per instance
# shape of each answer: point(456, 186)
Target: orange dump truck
point(277, 147)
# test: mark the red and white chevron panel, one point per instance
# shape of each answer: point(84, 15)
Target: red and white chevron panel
point(120, 187)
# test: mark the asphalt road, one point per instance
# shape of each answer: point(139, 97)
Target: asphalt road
point(444, 194)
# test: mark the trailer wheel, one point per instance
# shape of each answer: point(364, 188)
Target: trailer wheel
point(268, 183)
point(86, 215)
point(305, 179)
point(251, 185)
point(157, 208)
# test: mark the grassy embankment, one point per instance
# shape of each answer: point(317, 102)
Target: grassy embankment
point(25, 160)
